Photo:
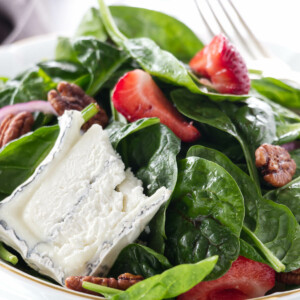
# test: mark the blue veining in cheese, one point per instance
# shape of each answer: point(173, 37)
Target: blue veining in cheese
point(80, 208)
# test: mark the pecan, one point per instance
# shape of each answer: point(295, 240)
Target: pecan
point(14, 126)
point(275, 164)
point(292, 277)
point(124, 282)
point(70, 96)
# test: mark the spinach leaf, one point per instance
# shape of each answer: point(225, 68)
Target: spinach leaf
point(63, 70)
point(288, 195)
point(117, 131)
point(100, 60)
point(295, 155)
point(282, 236)
point(19, 159)
point(33, 84)
point(169, 33)
point(287, 122)
point(91, 25)
point(284, 93)
point(138, 259)
point(171, 283)
point(150, 149)
point(158, 62)
point(252, 122)
point(248, 251)
point(206, 215)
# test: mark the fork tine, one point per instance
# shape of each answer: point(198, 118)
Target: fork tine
point(259, 46)
point(242, 40)
point(216, 17)
point(211, 32)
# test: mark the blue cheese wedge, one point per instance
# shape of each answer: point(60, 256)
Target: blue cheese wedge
point(80, 208)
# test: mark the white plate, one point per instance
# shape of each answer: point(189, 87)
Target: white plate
point(15, 284)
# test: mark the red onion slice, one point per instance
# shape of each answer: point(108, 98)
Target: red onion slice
point(291, 146)
point(31, 106)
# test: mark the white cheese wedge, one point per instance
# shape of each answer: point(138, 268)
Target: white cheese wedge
point(80, 208)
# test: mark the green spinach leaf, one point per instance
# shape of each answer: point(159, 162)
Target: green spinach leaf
point(19, 159)
point(206, 215)
point(150, 149)
point(252, 122)
point(169, 33)
point(158, 62)
point(170, 283)
point(33, 84)
point(99, 60)
point(284, 93)
point(91, 25)
point(138, 259)
point(282, 236)
point(288, 195)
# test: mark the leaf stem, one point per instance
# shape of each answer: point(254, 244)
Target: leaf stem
point(276, 264)
point(7, 256)
point(103, 290)
point(90, 111)
point(116, 35)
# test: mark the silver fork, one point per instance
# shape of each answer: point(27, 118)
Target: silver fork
point(223, 16)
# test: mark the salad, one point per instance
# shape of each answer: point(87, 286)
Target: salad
point(182, 116)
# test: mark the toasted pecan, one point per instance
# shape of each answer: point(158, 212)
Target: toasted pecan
point(14, 126)
point(69, 96)
point(292, 277)
point(275, 164)
point(124, 281)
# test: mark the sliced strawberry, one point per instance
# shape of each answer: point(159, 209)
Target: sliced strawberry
point(245, 279)
point(137, 96)
point(223, 65)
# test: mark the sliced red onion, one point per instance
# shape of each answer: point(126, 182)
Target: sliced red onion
point(31, 106)
point(291, 146)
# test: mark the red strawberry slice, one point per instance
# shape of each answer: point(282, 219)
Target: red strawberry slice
point(245, 279)
point(223, 65)
point(137, 96)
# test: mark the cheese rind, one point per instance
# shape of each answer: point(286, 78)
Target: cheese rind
point(79, 209)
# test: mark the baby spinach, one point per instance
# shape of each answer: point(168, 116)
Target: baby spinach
point(169, 284)
point(283, 92)
point(100, 60)
point(33, 84)
point(288, 195)
point(251, 122)
point(63, 70)
point(206, 215)
point(279, 240)
point(150, 149)
point(295, 155)
point(19, 159)
point(158, 62)
point(287, 122)
point(117, 131)
point(91, 25)
point(138, 259)
point(169, 33)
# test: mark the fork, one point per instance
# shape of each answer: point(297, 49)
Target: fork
point(223, 16)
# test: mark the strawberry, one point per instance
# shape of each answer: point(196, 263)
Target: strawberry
point(137, 96)
point(223, 65)
point(245, 279)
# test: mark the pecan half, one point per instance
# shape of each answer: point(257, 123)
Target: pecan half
point(70, 96)
point(14, 126)
point(275, 164)
point(292, 277)
point(124, 281)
